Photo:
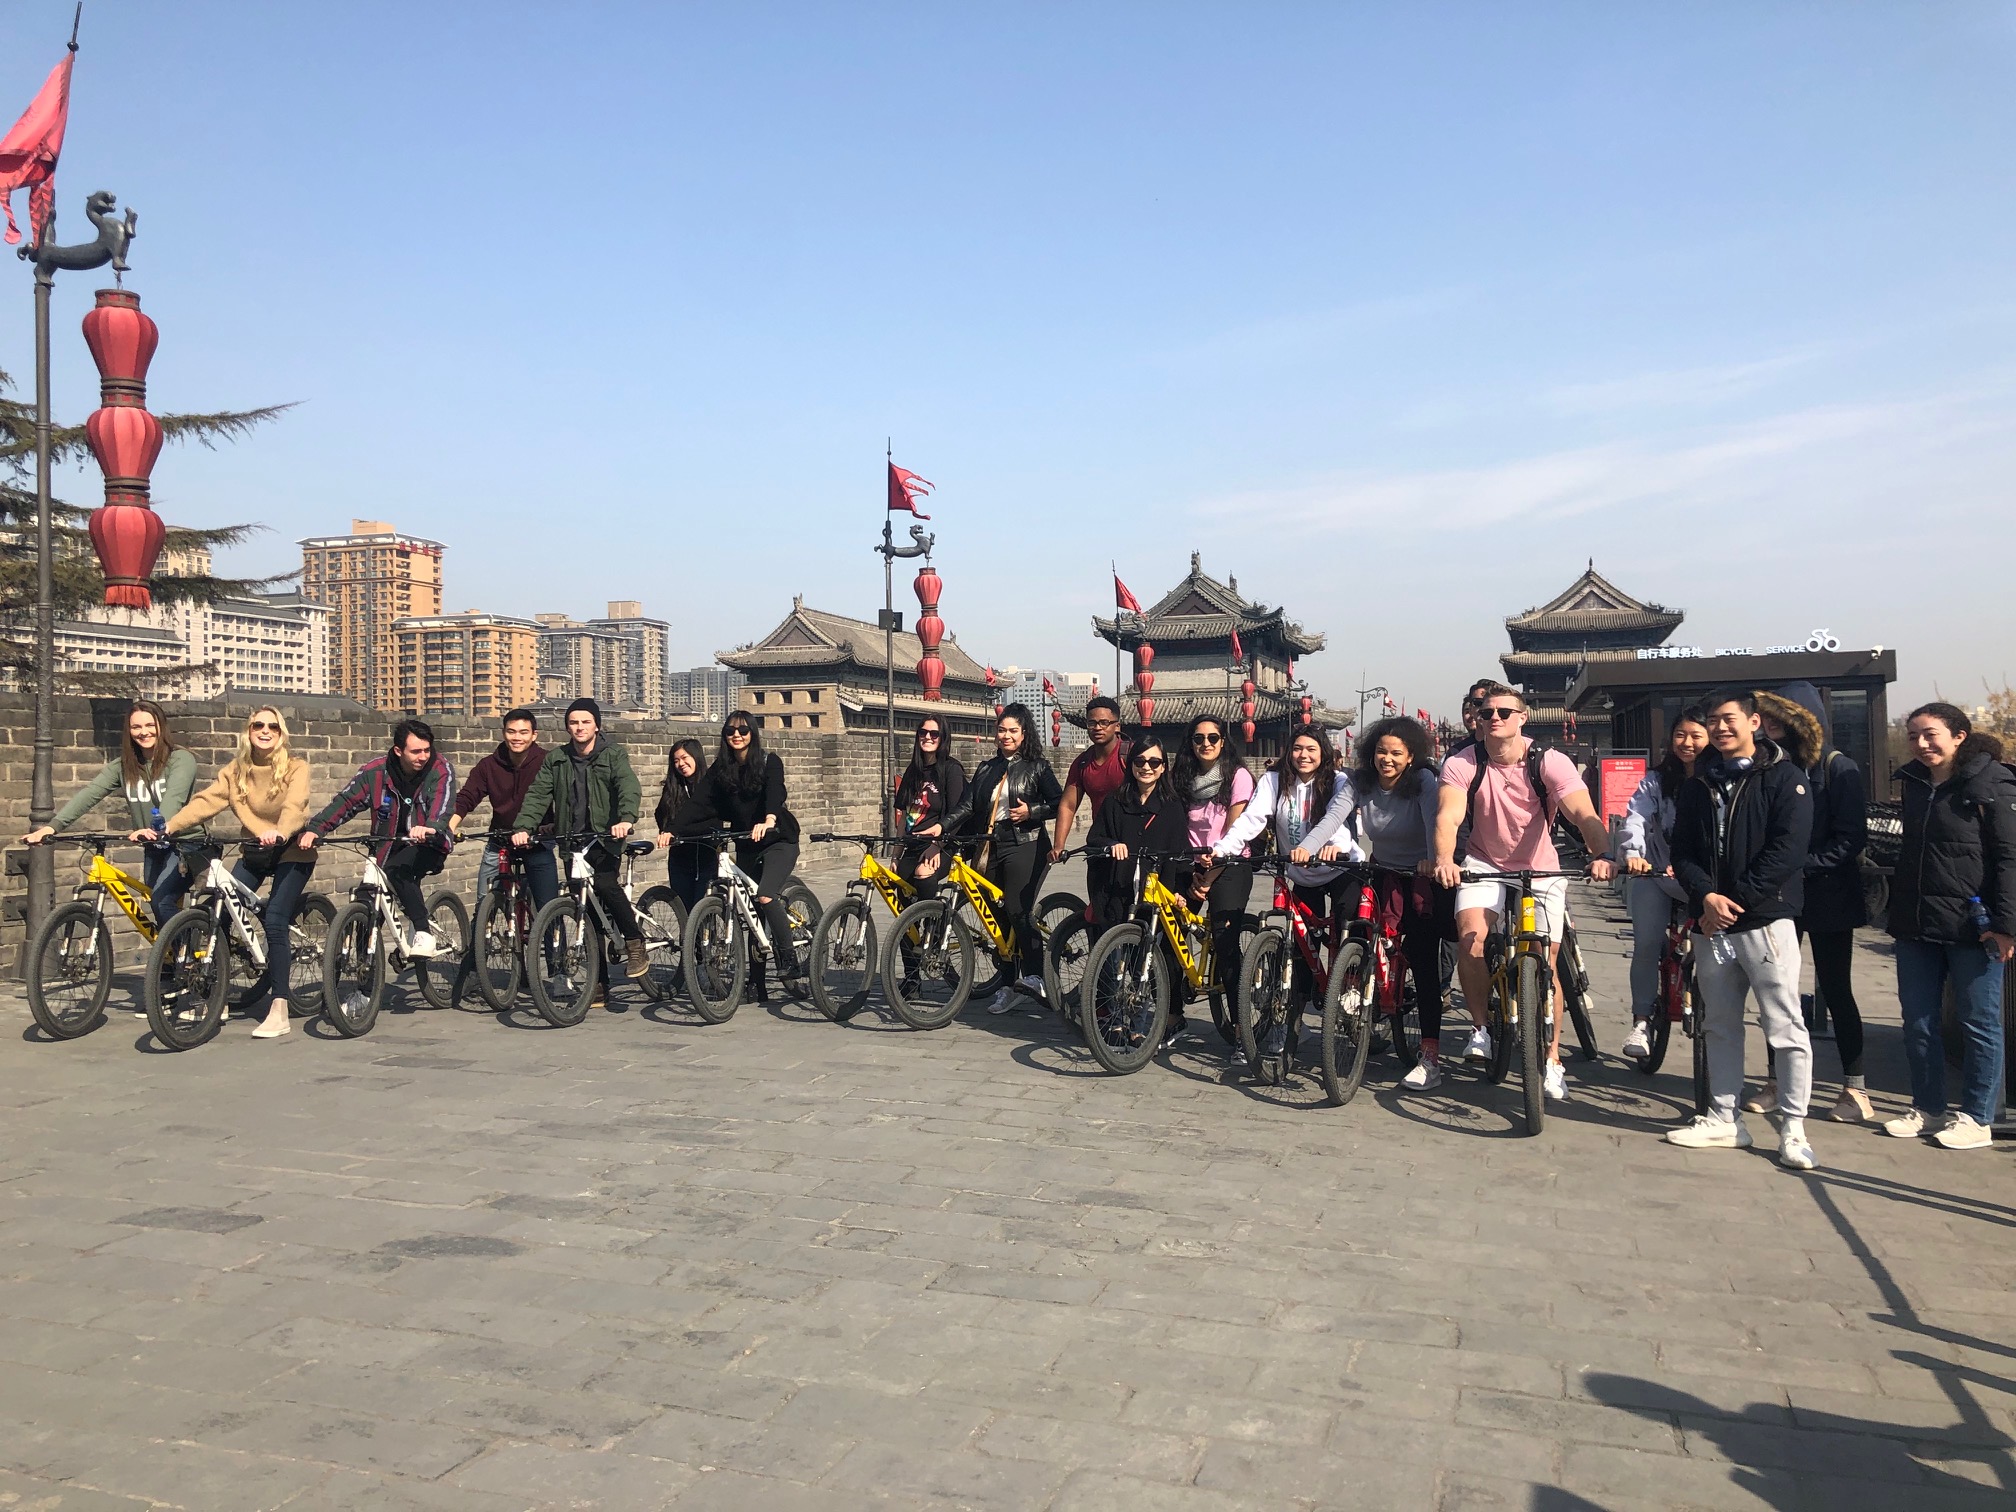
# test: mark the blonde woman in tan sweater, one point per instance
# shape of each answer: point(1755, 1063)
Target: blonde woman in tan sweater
point(266, 786)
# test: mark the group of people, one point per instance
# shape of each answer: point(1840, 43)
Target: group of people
point(1749, 829)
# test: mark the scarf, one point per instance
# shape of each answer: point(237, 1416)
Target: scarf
point(1207, 784)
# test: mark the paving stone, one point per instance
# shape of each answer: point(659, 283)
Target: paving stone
point(30, 1494)
point(574, 1477)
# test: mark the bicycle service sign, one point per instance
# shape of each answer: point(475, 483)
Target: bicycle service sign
point(1819, 640)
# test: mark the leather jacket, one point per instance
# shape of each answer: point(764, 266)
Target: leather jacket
point(1030, 781)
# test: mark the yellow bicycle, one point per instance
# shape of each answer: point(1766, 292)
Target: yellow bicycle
point(70, 962)
point(845, 952)
point(1133, 973)
point(932, 958)
point(1519, 1003)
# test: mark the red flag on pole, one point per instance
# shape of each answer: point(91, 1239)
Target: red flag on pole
point(1238, 651)
point(1049, 689)
point(905, 489)
point(28, 153)
point(1122, 597)
point(1422, 715)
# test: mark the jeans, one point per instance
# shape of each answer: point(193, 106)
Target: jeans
point(1763, 963)
point(289, 877)
point(1923, 969)
point(161, 869)
point(606, 860)
point(689, 869)
point(772, 866)
point(1651, 901)
point(405, 865)
point(537, 863)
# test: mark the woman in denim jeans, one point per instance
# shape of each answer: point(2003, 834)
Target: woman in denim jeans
point(1953, 913)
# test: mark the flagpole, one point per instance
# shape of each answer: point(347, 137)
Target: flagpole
point(1118, 686)
point(889, 653)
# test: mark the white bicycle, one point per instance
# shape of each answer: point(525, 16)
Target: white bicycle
point(367, 947)
point(726, 927)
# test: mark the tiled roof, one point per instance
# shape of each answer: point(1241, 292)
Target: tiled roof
point(815, 638)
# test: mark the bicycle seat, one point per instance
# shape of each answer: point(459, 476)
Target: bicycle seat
point(639, 847)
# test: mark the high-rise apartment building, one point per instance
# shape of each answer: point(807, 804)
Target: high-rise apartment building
point(708, 692)
point(264, 642)
point(650, 643)
point(583, 661)
point(371, 579)
point(473, 664)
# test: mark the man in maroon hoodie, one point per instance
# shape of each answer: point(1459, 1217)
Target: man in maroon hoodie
point(503, 777)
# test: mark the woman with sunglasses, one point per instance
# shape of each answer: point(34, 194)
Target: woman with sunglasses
point(931, 785)
point(745, 791)
point(1215, 786)
point(1011, 795)
point(1144, 817)
point(266, 786)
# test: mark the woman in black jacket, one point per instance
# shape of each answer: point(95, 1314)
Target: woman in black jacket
point(682, 809)
point(1953, 914)
point(745, 791)
point(931, 785)
point(1011, 795)
point(1144, 817)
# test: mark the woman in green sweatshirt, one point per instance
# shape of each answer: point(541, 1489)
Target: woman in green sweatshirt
point(156, 778)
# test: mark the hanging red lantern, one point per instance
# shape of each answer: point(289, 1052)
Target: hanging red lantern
point(930, 633)
point(1145, 681)
point(127, 535)
point(1307, 704)
point(928, 587)
point(1147, 706)
point(125, 531)
point(1246, 689)
point(1144, 658)
point(121, 338)
point(1246, 729)
point(1056, 727)
point(931, 673)
point(126, 440)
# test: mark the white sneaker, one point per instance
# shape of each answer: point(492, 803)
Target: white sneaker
point(422, 948)
point(1710, 1134)
point(1426, 1075)
point(1638, 1043)
point(1910, 1126)
point(1965, 1134)
point(1794, 1153)
point(1555, 1082)
point(1031, 984)
point(1478, 1047)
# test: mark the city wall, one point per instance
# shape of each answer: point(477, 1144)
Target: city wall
point(833, 779)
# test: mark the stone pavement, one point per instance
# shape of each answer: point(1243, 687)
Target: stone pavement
point(477, 1264)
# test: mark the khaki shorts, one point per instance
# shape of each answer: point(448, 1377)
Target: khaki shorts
point(1480, 890)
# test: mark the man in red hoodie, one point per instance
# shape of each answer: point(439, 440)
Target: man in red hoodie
point(503, 777)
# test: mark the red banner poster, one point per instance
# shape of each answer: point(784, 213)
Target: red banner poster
point(1620, 779)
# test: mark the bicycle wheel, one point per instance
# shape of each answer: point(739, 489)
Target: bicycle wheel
point(663, 919)
point(841, 968)
point(1124, 999)
point(1064, 956)
point(70, 971)
point(1575, 992)
point(1406, 1018)
point(1264, 987)
point(1694, 1030)
point(353, 971)
point(308, 938)
point(1224, 1013)
point(187, 974)
point(716, 959)
point(803, 908)
point(1670, 999)
point(1528, 983)
point(928, 964)
point(444, 978)
point(499, 947)
point(1055, 909)
point(1347, 1023)
point(563, 962)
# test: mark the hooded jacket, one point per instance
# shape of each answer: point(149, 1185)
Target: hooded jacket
point(1959, 844)
point(397, 803)
point(612, 789)
point(503, 778)
point(1834, 899)
point(1742, 832)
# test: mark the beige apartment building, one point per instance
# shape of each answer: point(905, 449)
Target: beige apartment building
point(578, 660)
point(472, 664)
point(371, 579)
point(650, 653)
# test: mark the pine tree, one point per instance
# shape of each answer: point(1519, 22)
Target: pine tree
point(79, 583)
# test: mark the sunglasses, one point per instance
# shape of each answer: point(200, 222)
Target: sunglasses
point(262, 724)
point(1150, 763)
point(929, 735)
point(1207, 740)
point(734, 730)
point(1496, 713)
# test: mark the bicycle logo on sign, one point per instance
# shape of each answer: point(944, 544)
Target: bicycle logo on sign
point(1819, 640)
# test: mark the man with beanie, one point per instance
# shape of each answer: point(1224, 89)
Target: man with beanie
point(1740, 829)
point(589, 789)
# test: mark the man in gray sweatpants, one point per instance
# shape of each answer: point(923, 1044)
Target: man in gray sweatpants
point(1740, 830)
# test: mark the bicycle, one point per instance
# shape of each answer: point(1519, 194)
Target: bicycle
point(1371, 980)
point(1132, 973)
point(1265, 1000)
point(573, 938)
point(930, 960)
point(69, 962)
point(501, 926)
point(1519, 1000)
point(726, 928)
point(845, 953)
point(1678, 1002)
point(220, 932)
point(1575, 990)
point(368, 943)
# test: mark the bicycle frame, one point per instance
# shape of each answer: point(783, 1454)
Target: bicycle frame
point(581, 882)
point(981, 896)
point(1529, 940)
point(887, 883)
point(1672, 968)
point(232, 902)
point(107, 880)
point(1188, 932)
point(1301, 917)
point(741, 891)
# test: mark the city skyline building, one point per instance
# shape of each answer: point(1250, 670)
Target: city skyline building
point(474, 664)
point(579, 660)
point(371, 579)
point(707, 693)
point(650, 653)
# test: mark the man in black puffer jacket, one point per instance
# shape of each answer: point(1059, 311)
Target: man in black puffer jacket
point(1740, 831)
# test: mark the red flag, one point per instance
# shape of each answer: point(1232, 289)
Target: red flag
point(1049, 691)
point(1238, 652)
point(905, 489)
point(1122, 598)
point(28, 153)
point(1422, 715)
point(1391, 707)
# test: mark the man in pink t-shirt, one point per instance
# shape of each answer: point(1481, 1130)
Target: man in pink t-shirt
point(1510, 830)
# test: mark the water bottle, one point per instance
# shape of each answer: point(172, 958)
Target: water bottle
point(1722, 948)
point(160, 827)
point(1978, 912)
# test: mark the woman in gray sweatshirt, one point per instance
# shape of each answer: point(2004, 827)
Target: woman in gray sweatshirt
point(1396, 792)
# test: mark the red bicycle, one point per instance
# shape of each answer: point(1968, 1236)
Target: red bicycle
point(1369, 981)
point(1270, 998)
point(1679, 1002)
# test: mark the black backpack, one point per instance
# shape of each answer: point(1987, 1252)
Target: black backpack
point(1533, 756)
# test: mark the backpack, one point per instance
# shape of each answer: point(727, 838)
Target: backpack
point(1533, 756)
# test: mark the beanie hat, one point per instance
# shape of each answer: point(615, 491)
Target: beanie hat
point(586, 706)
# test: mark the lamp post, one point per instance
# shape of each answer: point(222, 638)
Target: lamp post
point(1363, 694)
point(921, 544)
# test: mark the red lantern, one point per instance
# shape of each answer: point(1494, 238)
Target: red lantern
point(931, 673)
point(121, 338)
point(1247, 690)
point(127, 537)
point(1307, 703)
point(1246, 732)
point(126, 440)
point(1147, 706)
point(928, 587)
point(1056, 727)
point(1145, 681)
point(930, 633)
point(1144, 657)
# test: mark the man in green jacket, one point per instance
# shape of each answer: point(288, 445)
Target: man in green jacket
point(589, 789)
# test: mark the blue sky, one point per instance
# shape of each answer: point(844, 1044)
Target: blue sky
point(1399, 313)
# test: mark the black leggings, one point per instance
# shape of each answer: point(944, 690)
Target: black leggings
point(405, 865)
point(772, 867)
point(1833, 959)
point(1410, 905)
point(1018, 871)
point(607, 866)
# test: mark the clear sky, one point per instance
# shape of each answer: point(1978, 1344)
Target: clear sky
point(1399, 313)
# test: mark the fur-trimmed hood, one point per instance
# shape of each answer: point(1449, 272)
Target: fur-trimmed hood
point(1804, 738)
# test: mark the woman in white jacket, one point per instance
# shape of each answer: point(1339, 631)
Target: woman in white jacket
point(1651, 891)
